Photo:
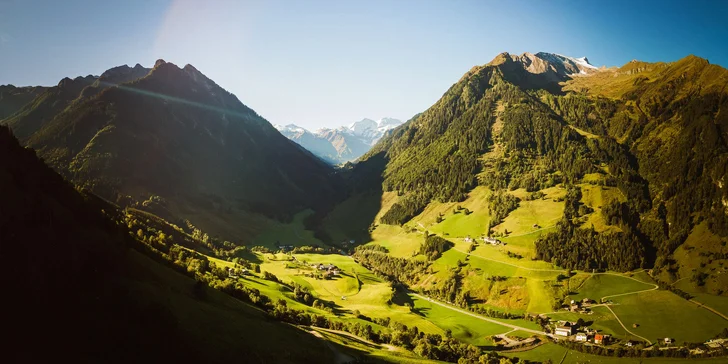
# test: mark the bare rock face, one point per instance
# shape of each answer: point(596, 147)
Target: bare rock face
point(542, 63)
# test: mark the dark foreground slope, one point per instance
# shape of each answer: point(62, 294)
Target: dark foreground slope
point(74, 290)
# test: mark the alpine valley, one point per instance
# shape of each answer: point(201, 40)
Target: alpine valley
point(542, 210)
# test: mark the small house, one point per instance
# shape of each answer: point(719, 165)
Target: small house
point(468, 239)
point(713, 345)
point(629, 343)
point(491, 241)
point(581, 336)
point(327, 267)
point(598, 339)
point(668, 341)
point(563, 330)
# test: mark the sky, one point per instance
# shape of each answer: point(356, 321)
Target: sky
point(330, 63)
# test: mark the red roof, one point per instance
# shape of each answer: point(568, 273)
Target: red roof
point(598, 337)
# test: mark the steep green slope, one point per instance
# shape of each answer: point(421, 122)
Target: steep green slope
point(492, 129)
point(673, 119)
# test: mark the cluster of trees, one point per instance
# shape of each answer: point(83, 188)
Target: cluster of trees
point(573, 247)
point(405, 209)
point(450, 290)
point(392, 268)
point(500, 204)
point(434, 246)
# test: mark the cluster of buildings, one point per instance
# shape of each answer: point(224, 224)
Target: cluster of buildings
point(487, 240)
point(235, 273)
point(328, 269)
point(283, 248)
point(582, 306)
point(568, 329)
point(713, 345)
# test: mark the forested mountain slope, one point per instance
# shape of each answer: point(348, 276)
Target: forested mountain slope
point(174, 138)
point(13, 98)
point(655, 131)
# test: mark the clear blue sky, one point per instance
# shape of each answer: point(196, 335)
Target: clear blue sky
point(328, 63)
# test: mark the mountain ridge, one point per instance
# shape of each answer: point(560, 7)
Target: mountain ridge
point(174, 133)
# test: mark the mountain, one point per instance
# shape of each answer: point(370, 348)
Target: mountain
point(343, 144)
point(172, 141)
point(14, 98)
point(653, 134)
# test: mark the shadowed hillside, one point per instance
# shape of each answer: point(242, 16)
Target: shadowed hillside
point(71, 277)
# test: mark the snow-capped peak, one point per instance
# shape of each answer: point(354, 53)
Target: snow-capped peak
point(583, 61)
point(362, 126)
point(385, 124)
point(290, 128)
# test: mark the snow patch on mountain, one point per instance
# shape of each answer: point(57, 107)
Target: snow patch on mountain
point(348, 142)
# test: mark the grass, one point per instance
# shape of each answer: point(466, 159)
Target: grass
point(463, 327)
point(524, 243)
point(596, 197)
point(543, 212)
point(600, 285)
point(540, 299)
point(293, 233)
point(690, 263)
point(458, 224)
point(399, 242)
point(664, 314)
point(556, 353)
point(718, 303)
point(351, 219)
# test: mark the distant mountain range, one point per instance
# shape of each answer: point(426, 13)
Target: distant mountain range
point(343, 144)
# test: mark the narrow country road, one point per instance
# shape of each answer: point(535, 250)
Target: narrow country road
point(625, 327)
point(700, 304)
point(654, 286)
point(515, 327)
point(339, 357)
